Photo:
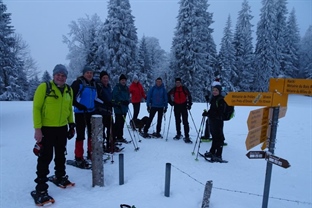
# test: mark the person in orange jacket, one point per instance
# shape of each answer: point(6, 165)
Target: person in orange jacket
point(137, 93)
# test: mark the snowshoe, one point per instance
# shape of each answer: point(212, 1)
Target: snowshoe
point(187, 140)
point(83, 164)
point(42, 198)
point(63, 182)
point(177, 137)
point(156, 135)
point(145, 135)
point(205, 139)
point(212, 158)
point(122, 140)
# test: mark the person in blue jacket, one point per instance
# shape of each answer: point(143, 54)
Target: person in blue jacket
point(84, 88)
point(120, 100)
point(157, 101)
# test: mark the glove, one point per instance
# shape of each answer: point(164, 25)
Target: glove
point(148, 109)
point(165, 110)
point(125, 102)
point(188, 106)
point(71, 132)
point(81, 107)
point(205, 113)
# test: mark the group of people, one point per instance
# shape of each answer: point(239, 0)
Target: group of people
point(55, 120)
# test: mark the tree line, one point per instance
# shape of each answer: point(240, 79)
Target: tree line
point(114, 46)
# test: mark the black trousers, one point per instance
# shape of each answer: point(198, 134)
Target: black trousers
point(207, 129)
point(180, 110)
point(82, 120)
point(119, 125)
point(54, 138)
point(136, 110)
point(107, 121)
point(216, 126)
point(153, 111)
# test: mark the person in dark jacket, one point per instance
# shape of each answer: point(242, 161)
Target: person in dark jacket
point(217, 107)
point(120, 100)
point(180, 97)
point(157, 101)
point(84, 88)
point(104, 107)
point(137, 94)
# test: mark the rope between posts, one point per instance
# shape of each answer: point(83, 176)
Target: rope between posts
point(241, 192)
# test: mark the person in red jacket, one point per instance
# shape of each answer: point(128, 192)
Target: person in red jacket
point(137, 93)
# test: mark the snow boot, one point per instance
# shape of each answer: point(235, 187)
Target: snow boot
point(42, 198)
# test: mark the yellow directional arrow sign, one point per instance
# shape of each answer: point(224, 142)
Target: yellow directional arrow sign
point(291, 86)
point(256, 99)
point(257, 136)
point(258, 118)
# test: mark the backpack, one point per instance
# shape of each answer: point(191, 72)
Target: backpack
point(228, 113)
point(49, 90)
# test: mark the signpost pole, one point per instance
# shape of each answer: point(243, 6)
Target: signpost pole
point(268, 173)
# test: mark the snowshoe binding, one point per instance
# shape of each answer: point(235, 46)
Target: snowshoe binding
point(42, 198)
point(63, 182)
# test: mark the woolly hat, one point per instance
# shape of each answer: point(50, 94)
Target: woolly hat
point(135, 77)
point(159, 79)
point(218, 87)
point(122, 76)
point(103, 73)
point(86, 69)
point(178, 79)
point(60, 69)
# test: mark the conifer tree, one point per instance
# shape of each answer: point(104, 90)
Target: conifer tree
point(190, 46)
point(229, 75)
point(292, 44)
point(306, 55)
point(121, 38)
point(244, 49)
point(46, 77)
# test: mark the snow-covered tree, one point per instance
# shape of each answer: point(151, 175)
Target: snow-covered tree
point(46, 77)
point(292, 44)
point(190, 46)
point(144, 69)
point(266, 63)
point(306, 54)
point(226, 58)
point(121, 38)
point(82, 44)
point(244, 49)
point(33, 84)
point(13, 83)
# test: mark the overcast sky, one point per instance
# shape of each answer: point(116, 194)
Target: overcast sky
point(43, 22)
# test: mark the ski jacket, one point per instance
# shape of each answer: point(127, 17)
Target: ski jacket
point(157, 97)
point(84, 94)
point(137, 92)
point(180, 95)
point(105, 94)
point(55, 110)
point(120, 99)
point(217, 107)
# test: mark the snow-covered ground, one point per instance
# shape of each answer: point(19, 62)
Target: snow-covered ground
point(237, 184)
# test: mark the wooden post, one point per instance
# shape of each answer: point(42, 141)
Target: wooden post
point(97, 151)
point(121, 169)
point(207, 194)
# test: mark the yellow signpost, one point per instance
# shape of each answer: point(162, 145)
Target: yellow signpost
point(291, 86)
point(256, 99)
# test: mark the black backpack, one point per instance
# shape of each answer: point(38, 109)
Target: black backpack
point(229, 111)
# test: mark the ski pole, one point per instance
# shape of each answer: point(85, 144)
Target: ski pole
point(169, 123)
point(136, 148)
point(193, 121)
point(200, 129)
point(203, 124)
point(164, 124)
point(131, 119)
